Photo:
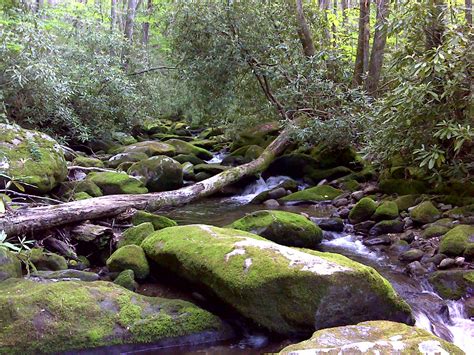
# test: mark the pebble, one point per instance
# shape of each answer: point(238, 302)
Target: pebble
point(446, 263)
point(271, 203)
point(341, 202)
point(357, 195)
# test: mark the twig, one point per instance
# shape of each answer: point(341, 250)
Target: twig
point(20, 194)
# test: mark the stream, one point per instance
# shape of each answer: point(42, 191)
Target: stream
point(445, 319)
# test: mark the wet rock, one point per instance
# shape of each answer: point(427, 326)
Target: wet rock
point(10, 265)
point(54, 317)
point(188, 171)
point(425, 213)
point(158, 173)
point(159, 222)
point(344, 212)
point(317, 193)
point(416, 269)
point(435, 259)
point(183, 147)
point(277, 193)
point(280, 191)
point(364, 227)
point(399, 246)
point(386, 211)
point(211, 169)
point(447, 263)
point(434, 231)
point(459, 261)
point(386, 227)
point(357, 195)
point(458, 241)
point(453, 284)
point(407, 236)
point(151, 148)
point(112, 183)
point(43, 260)
point(135, 235)
point(66, 275)
point(330, 224)
point(381, 240)
point(341, 202)
point(129, 257)
point(362, 210)
point(126, 279)
point(282, 227)
point(121, 158)
point(189, 158)
point(411, 255)
point(202, 176)
point(271, 204)
point(88, 162)
point(407, 201)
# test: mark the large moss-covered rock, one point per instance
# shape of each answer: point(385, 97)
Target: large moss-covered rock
point(329, 157)
point(211, 169)
point(158, 173)
point(44, 260)
point(260, 135)
point(158, 222)
point(375, 337)
point(32, 158)
point(386, 210)
point(129, 257)
point(52, 317)
point(457, 241)
point(425, 213)
point(286, 290)
point(282, 227)
point(362, 210)
point(317, 193)
point(88, 162)
point(130, 157)
point(453, 284)
point(69, 188)
point(151, 148)
point(112, 183)
point(10, 265)
point(136, 234)
point(406, 201)
point(183, 147)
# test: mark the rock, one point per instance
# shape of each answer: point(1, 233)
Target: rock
point(151, 148)
point(332, 157)
point(406, 201)
point(341, 202)
point(188, 171)
point(385, 227)
point(211, 169)
point(10, 265)
point(399, 246)
point(434, 231)
point(330, 224)
point(407, 236)
point(453, 284)
point(386, 211)
point(282, 227)
point(459, 261)
point(344, 212)
point(271, 204)
point(135, 235)
point(425, 213)
point(69, 188)
point(54, 317)
point(277, 192)
point(260, 135)
point(416, 269)
point(126, 279)
point(317, 193)
point(447, 263)
point(376, 337)
point(458, 241)
point(46, 261)
point(362, 210)
point(381, 240)
point(123, 138)
point(411, 255)
point(364, 227)
point(285, 290)
point(189, 158)
point(88, 162)
point(130, 157)
point(403, 186)
point(357, 195)
point(435, 259)
point(129, 257)
point(469, 307)
point(81, 196)
point(31, 158)
point(158, 173)
point(112, 183)
point(159, 222)
point(66, 275)
point(183, 147)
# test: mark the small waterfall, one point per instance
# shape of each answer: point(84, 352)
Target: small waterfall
point(352, 245)
point(217, 158)
point(259, 186)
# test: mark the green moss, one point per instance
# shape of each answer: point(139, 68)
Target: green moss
point(159, 222)
point(112, 183)
point(434, 231)
point(349, 184)
point(388, 226)
point(210, 168)
point(136, 235)
point(183, 147)
point(150, 148)
point(282, 227)
point(81, 196)
point(158, 173)
point(386, 210)
point(69, 188)
point(425, 213)
point(129, 158)
point(406, 201)
point(88, 162)
point(10, 265)
point(460, 212)
point(129, 257)
point(403, 187)
point(317, 193)
point(126, 279)
point(362, 210)
point(457, 240)
point(46, 261)
point(452, 284)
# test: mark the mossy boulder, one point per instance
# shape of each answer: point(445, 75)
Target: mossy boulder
point(135, 235)
point(151, 148)
point(453, 284)
point(212, 169)
point(285, 290)
point(188, 158)
point(130, 157)
point(403, 187)
point(385, 211)
point(123, 138)
point(460, 212)
point(317, 193)
point(112, 183)
point(67, 274)
point(126, 279)
point(69, 188)
point(425, 213)
point(286, 185)
point(10, 265)
point(44, 260)
point(158, 222)
point(282, 227)
point(406, 201)
point(375, 337)
point(362, 210)
point(54, 317)
point(434, 231)
point(333, 157)
point(81, 196)
point(260, 135)
point(158, 173)
point(388, 226)
point(457, 241)
point(183, 147)
point(129, 257)
point(88, 162)
point(32, 158)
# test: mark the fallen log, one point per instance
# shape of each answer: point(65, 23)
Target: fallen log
point(33, 219)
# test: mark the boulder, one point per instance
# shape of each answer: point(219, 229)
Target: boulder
point(183, 147)
point(276, 192)
point(362, 210)
point(130, 157)
point(385, 211)
point(136, 234)
point(406, 201)
point(403, 186)
point(126, 279)
point(43, 260)
point(10, 265)
point(285, 290)
point(317, 193)
point(129, 257)
point(151, 148)
point(112, 183)
point(189, 158)
point(211, 169)
point(282, 227)
point(384, 227)
point(375, 337)
point(69, 188)
point(31, 158)
point(260, 135)
point(54, 317)
point(88, 162)
point(434, 231)
point(158, 222)
point(458, 241)
point(453, 284)
point(425, 213)
point(158, 173)
point(66, 275)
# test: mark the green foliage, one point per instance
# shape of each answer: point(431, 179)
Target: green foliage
point(17, 246)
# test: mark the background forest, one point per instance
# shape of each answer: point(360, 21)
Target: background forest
point(393, 78)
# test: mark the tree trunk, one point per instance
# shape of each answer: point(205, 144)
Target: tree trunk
point(468, 4)
point(362, 55)
point(304, 32)
point(378, 47)
point(146, 25)
point(130, 20)
point(41, 218)
point(435, 29)
point(344, 7)
point(113, 14)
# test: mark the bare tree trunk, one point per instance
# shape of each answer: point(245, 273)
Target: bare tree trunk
point(113, 14)
point(146, 25)
point(468, 5)
point(130, 19)
point(362, 55)
point(378, 47)
point(41, 218)
point(304, 32)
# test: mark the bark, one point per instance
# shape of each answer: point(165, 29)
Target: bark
point(468, 5)
point(344, 7)
point(378, 47)
point(304, 33)
point(130, 19)
point(362, 55)
point(113, 14)
point(42, 218)
point(146, 25)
